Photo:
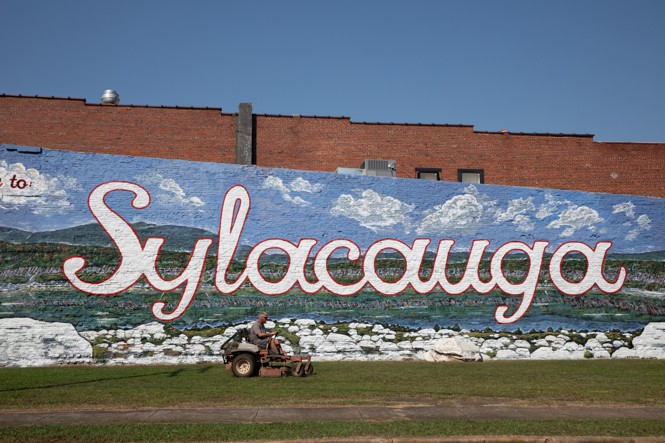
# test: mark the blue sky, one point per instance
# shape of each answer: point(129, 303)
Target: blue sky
point(590, 67)
point(292, 204)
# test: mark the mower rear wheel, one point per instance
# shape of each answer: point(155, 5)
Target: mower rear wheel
point(244, 365)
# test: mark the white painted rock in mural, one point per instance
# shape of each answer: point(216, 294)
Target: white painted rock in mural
point(651, 343)
point(454, 348)
point(27, 342)
point(556, 354)
point(311, 343)
point(512, 354)
point(305, 322)
point(653, 336)
point(148, 329)
point(624, 352)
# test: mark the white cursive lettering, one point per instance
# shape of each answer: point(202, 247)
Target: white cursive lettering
point(137, 260)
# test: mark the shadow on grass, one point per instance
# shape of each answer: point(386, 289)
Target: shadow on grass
point(173, 373)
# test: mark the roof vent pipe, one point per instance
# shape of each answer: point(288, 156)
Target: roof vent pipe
point(110, 97)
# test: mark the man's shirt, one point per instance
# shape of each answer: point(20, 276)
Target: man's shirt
point(256, 329)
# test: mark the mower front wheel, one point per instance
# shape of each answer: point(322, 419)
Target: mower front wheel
point(298, 370)
point(244, 365)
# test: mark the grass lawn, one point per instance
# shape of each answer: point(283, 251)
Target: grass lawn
point(619, 382)
point(198, 432)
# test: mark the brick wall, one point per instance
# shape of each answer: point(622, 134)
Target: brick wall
point(557, 161)
point(573, 162)
point(202, 134)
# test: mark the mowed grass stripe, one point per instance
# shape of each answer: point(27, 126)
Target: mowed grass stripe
point(621, 382)
point(312, 430)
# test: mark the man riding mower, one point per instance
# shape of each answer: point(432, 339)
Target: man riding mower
point(252, 351)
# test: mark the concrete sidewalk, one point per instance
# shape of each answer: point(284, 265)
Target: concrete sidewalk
point(464, 411)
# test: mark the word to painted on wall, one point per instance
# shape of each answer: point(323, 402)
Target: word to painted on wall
point(16, 183)
point(137, 261)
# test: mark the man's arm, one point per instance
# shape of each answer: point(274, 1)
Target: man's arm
point(261, 332)
point(266, 334)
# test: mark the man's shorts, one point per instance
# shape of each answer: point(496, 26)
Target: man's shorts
point(261, 342)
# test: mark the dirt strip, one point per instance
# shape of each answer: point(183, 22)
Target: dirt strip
point(470, 411)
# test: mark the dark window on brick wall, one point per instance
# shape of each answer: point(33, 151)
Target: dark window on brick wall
point(471, 175)
point(428, 173)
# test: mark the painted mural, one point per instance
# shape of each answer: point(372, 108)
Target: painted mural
point(104, 241)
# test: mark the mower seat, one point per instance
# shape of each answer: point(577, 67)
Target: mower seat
point(248, 347)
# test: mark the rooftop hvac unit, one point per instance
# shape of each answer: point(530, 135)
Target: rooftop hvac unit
point(350, 171)
point(380, 168)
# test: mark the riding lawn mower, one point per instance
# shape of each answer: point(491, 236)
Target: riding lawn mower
point(246, 359)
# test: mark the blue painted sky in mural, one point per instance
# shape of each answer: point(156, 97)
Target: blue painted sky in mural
point(297, 204)
point(566, 66)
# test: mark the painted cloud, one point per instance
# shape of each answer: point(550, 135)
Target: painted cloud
point(575, 218)
point(643, 221)
point(299, 185)
point(517, 213)
point(569, 216)
point(42, 194)
point(626, 207)
point(172, 194)
point(373, 211)
point(551, 206)
point(302, 185)
point(462, 213)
